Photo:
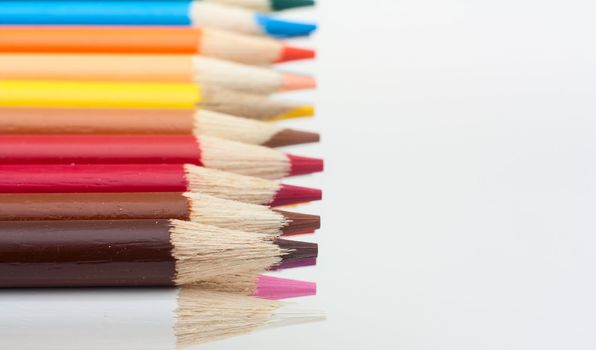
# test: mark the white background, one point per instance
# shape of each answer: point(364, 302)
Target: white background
point(460, 190)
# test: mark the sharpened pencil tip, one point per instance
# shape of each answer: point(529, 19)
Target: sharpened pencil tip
point(304, 165)
point(298, 112)
point(298, 250)
point(292, 82)
point(289, 194)
point(273, 288)
point(288, 137)
point(282, 28)
point(291, 53)
point(295, 264)
point(280, 5)
point(300, 223)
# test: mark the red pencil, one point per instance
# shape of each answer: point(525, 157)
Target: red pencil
point(209, 152)
point(150, 178)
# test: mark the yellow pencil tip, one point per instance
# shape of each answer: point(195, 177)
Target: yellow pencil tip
point(298, 112)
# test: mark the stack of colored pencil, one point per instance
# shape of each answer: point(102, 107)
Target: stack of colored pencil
point(137, 149)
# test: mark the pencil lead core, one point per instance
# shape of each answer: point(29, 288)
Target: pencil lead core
point(304, 165)
point(289, 194)
point(292, 53)
point(292, 82)
point(298, 222)
point(274, 288)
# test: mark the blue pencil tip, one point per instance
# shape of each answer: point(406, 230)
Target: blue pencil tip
point(283, 28)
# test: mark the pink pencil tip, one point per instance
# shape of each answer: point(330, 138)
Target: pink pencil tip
point(304, 165)
point(289, 194)
point(297, 82)
point(274, 288)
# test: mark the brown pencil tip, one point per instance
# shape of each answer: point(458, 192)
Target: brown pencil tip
point(298, 222)
point(289, 137)
point(297, 250)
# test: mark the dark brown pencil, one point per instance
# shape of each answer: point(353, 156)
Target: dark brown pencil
point(132, 253)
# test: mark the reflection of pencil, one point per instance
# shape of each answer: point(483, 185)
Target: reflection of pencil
point(161, 40)
point(149, 121)
point(98, 178)
point(150, 319)
point(208, 152)
point(27, 93)
point(133, 253)
point(194, 207)
point(150, 68)
point(154, 12)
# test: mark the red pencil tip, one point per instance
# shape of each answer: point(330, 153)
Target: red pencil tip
point(304, 165)
point(291, 53)
point(274, 288)
point(289, 194)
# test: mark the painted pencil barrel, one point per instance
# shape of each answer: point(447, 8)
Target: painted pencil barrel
point(96, 121)
point(100, 149)
point(93, 206)
point(100, 39)
point(129, 68)
point(92, 178)
point(84, 254)
point(15, 93)
point(107, 12)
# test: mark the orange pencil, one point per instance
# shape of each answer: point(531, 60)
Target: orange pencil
point(165, 40)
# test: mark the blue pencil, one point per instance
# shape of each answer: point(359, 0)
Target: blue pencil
point(150, 12)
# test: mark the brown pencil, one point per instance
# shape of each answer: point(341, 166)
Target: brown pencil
point(149, 121)
point(108, 253)
point(194, 207)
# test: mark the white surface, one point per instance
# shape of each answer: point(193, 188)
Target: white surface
point(472, 224)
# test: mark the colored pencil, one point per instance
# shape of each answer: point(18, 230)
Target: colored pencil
point(30, 93)
point(100, 178)
point(125, 319)
point(149, 121)
point(133, 253)
point(209, 152)
point(266, 5)
point(147, 40)
point(201, 208)
point(152, 12)
point(150, 68)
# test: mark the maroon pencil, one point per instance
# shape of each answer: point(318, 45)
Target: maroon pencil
point(114, 178)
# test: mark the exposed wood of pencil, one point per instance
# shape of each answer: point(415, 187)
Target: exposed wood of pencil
point(149, 121)
point(132, 253)
point(195, 207)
